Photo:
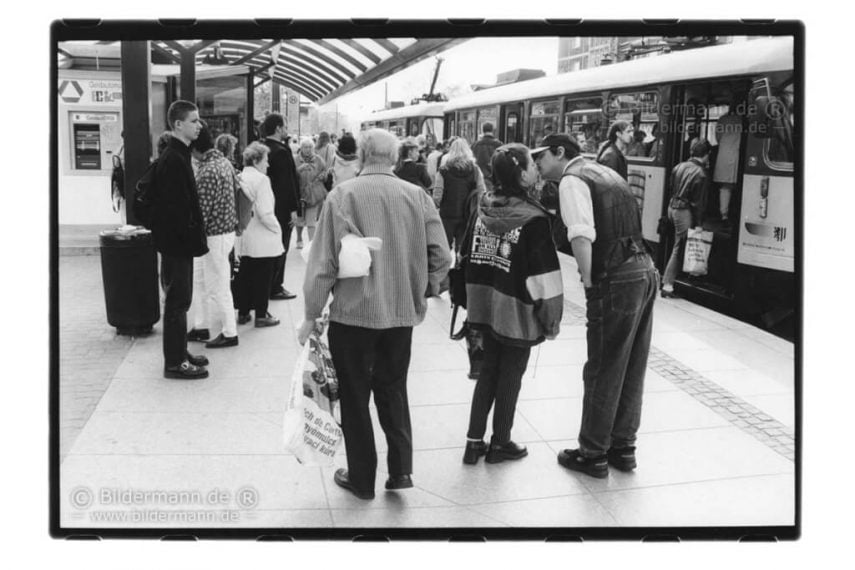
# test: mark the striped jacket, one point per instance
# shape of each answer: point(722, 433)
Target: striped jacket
point(513, 279)
point(409, 267)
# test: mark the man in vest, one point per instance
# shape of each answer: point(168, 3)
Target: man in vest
point(604, 228)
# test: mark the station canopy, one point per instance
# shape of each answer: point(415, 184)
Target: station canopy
point(319, 69)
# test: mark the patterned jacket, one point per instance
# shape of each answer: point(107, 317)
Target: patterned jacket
point(216, 182)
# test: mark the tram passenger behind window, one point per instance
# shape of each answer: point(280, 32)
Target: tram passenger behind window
point(637, 146)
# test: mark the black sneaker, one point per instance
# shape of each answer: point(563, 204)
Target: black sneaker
point(668, 294)
point(474, 450)
point(594, 466)
point(199, 335)
point(622, 459)
point(185, 371)
point(243, 319)
point(498, 453)
point(222, 341)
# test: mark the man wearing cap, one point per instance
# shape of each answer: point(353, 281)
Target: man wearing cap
point(604, 228)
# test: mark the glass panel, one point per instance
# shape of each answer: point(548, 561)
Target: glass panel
point(488, 115)
point(780, 149)
point(585, 120)
point(642, 110)
point(222, 104)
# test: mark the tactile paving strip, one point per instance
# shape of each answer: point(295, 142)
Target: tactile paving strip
point(734, 409)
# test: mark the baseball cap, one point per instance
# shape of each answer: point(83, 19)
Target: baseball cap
point(557, 139)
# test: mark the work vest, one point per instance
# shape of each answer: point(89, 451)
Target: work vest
point(617, 219)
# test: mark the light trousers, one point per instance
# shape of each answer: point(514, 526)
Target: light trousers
point(213, 307)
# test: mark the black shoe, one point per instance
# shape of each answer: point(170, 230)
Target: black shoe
point(185, 371)
point(342, 480)
point(668, 294)
point(498, 453)
point(622, 459)
point(267, 320)
point(243, 319)
point(399, 482)
point(200, 360)
point(199, 335)
point(594, 466)
point(222, 341)
point(474, 450)
point(283, 295)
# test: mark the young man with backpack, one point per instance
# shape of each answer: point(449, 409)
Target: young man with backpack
point(178, 232)
point(604, 229)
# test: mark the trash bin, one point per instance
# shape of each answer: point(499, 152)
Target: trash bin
point(129, 272)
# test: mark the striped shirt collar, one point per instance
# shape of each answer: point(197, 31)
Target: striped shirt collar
point(572, 161)
point(376, 169)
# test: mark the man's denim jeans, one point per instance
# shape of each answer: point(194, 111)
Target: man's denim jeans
point(620, 324)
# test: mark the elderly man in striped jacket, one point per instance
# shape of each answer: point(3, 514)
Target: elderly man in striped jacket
point(372, 317)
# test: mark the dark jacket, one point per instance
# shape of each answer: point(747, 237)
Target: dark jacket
point(617, 217)
point(283, 179)
point(513, 280)
point(688, 188)
point(458, 183)
point(414, 173)
point(177, 225)
point(483, 150)
point(612, 157)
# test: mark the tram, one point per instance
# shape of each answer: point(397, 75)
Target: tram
point(738, 96)
point(410, 121)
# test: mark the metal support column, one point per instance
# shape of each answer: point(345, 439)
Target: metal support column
point(136, 115)
point(250, 107)
point(275, 96)
point(188, 76)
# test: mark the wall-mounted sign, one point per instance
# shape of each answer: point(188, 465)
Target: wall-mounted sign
point(90, 92)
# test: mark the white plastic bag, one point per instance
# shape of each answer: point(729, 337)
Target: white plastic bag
point(698, 246)
point(354, 258)
point(311, 428)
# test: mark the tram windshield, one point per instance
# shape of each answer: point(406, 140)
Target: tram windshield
point(780, 150)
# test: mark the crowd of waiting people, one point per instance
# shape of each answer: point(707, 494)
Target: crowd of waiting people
point(433, 208)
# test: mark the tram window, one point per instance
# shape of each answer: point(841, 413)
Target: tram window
point(467, 126)
point(780, 149)
point(642, 110)
point(585, 120)
point(544, 119)
point(512, 127)
point(414, 127)
point(487, 115)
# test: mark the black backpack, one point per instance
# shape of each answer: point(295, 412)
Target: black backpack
point(144, 197)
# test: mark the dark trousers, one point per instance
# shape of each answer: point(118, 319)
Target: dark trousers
point(454, 230)
point(620, 324)
point(375, 360)
point(277, 283)
point(499, 382)
point(254, 284)
point(176, 278)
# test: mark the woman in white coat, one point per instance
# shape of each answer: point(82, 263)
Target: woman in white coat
point(261, 242)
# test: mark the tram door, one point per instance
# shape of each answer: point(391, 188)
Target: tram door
point(714, 111)
point(512, 130)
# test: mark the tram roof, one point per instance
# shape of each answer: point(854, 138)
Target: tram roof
point(319, 69)
point(743, 58)
point(423, 110)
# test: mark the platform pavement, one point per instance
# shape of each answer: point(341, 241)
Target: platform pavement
point(715, 445)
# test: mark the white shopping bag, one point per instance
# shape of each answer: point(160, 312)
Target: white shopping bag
point(312, 428)
point(354, 257)
point(698, 246)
